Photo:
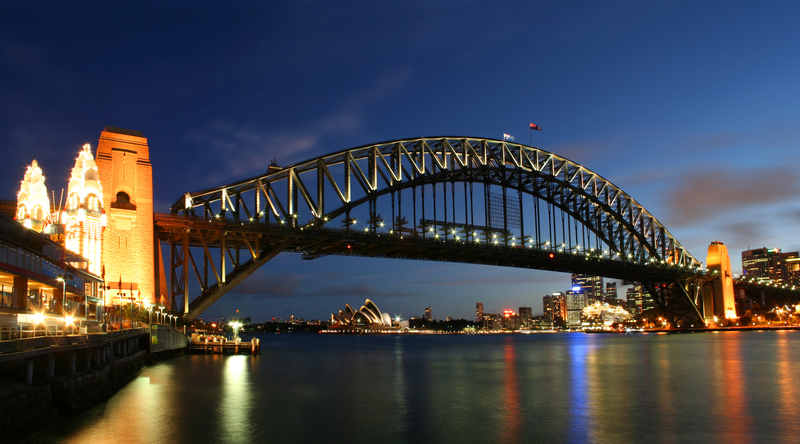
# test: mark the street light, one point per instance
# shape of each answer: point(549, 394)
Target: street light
point(63, 279)
point(235, 326)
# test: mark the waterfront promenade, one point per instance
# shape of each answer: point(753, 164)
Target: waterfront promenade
point(45, 377)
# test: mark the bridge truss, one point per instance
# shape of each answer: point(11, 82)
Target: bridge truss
point(447, 198)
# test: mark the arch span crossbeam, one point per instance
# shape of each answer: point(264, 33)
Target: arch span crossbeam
point(453, 189)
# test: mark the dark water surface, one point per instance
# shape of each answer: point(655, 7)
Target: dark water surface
point(732, 387)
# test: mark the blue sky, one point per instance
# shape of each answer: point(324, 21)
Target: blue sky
point(690, 107)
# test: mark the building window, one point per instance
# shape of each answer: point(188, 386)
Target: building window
point(123, 202)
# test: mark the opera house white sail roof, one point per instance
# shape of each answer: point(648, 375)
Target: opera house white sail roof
point(369, 315)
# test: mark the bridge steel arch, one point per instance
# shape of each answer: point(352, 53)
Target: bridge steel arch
point(592, 225)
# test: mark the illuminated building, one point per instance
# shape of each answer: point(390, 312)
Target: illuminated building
point(525, 316)
point(129, 250)
point(479, 312)
point(638, 299)
point(33, 204)
point(84, 219)
point(554, 307)
point(574, 303)
point(492, 321)
point(41, 284)
point(769, 265)
point(511, 320)
point(611, 293)
point(591, 286)
point(367, 317)
point(722, 305)
point(428, 314)
point(602, 314)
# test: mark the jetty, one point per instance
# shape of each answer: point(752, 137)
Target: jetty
point(201, 343)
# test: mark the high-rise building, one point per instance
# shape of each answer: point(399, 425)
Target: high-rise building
point(590, 286)
point(129, 250)
point(611, 292)
point(479, 312)
point(638, 299)
point(428, 314)
point(553, 306)
point(767, 265)
point(574, 302)
point(525, 316)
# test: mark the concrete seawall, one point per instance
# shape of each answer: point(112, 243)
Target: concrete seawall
point(40, 383)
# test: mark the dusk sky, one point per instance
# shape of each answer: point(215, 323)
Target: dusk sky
point(692, 108)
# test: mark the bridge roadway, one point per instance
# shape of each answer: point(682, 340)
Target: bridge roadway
point(258, 240)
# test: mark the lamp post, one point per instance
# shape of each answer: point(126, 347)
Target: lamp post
point(235, 326)
point(161, 312)
point(149, 312)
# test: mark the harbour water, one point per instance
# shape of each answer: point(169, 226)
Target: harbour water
point(729, 387)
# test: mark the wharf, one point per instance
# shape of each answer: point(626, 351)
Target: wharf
point(224, 346)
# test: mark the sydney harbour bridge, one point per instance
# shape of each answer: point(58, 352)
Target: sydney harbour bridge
point(453, 199)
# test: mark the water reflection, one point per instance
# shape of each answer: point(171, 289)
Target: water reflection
point(787, 385)
point(733, 387)
point(235, 405)
point(511, 401)
point(737, 387)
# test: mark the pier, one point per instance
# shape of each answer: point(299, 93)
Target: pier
point(221, 345)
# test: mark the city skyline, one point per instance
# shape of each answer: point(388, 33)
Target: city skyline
point(691, 109)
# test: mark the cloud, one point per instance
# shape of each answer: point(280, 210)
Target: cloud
point(244, 150)
point(704, 195)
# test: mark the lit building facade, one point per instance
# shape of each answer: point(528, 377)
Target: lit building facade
point(525, 316)
point(367, 317)
point(591, 286)
point(428, 314)
point(83, 217)
point(574, 302)
point(611, 293)
point(603, 315)
point(638, 299)
point(33, 204)
point(770, 265)
point(123, 161)
point(718, 300)
point(553, 306)
point(479, 312)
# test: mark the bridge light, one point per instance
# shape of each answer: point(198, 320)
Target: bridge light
point(437, 236)
point(495, 242)
point(326, 219)
point(283, 221)
point(251, 219)
point(477, 241)
point(366, 230)
point(348, 246)
point(381, 224)
point(551, 255)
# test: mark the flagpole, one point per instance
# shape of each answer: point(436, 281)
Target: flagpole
point(530, 133)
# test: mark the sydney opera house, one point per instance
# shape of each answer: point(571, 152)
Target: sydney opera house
point(368, 317)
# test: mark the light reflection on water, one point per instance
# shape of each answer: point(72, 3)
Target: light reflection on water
point(728, 387)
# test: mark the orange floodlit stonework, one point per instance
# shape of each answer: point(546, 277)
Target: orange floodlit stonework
point(718, 261)
point(123, 161)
